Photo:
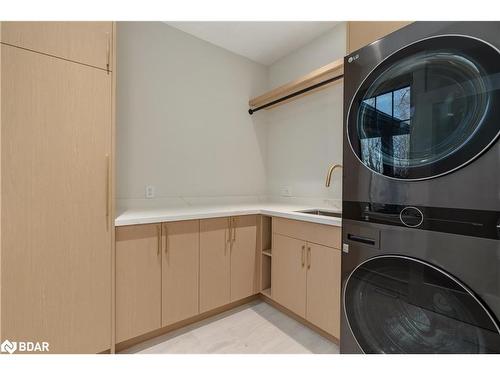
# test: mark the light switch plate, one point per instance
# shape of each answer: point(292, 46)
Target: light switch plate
point(150, 191)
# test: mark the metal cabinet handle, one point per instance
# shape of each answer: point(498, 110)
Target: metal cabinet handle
point(165, 226)
point(229, 229)
point(158, 233)
point(108, 52)
point(308, 257)
point(107, 183)
point(303, 255)
point(234, 229)
point(229, 235)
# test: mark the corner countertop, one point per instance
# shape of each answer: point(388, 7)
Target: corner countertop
point(158, 215)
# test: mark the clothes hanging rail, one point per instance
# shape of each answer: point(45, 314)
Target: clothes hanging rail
point(313, 81)
point(297, 93)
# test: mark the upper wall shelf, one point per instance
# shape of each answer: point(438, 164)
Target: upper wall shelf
point(314, 81)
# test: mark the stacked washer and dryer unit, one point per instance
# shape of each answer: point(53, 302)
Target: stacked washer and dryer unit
point(421, 191)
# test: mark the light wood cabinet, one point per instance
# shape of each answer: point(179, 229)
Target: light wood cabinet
point(197, 266)
point(362, 33)
point(229, 262)
point(56, 239)
point(138, 280)
point(84, 42)
point(180, 271)
point(305, 276)
point(244, 257)
point(288, 277)
point(215, 263)
point(323, 288)
point(157, 268)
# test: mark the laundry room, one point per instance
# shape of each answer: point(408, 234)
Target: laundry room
point(185, 184)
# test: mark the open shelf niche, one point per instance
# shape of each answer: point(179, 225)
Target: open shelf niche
point(266, 246)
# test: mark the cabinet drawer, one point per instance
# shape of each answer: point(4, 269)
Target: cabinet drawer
point(322, 234)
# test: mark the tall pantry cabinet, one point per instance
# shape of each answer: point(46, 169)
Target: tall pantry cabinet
point(57, 164)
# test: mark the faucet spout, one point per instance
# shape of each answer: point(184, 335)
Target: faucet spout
point(330, 172)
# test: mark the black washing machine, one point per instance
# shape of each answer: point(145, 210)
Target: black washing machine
point(421, 191)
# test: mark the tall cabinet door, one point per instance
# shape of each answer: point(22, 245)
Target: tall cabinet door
point(138, 280)
point(323, 288)
point(56, 239)
point(288, 277)
point(244, 257)
point(85, 42)
point(180, 271)
point(214, 263)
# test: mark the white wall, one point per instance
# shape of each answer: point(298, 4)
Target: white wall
point(321, 51)
point(305, 135)
point(182, 121)
point(183, 126)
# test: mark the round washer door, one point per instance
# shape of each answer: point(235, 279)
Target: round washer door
point(427, 109)
point(398, 304)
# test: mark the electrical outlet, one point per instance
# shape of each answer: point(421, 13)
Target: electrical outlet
point(286, 191)
point(150, 191)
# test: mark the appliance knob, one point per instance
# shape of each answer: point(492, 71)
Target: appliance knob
point(411, 217)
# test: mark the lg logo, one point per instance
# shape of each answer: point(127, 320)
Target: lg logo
point(352, 58)
point(23, 346)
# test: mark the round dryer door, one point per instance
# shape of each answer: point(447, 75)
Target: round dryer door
point(427, 109)
point(397, 304)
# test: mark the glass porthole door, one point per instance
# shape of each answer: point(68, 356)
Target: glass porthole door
point(397, 304)
point(427, 109)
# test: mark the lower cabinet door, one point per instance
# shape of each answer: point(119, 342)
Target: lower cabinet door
point(323, 288)
point(244, 259)
point(138, 280)
point(180, 270)
point(288, 277)
point(214, 263)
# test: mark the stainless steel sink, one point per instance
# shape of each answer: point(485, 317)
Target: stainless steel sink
point(321, 213)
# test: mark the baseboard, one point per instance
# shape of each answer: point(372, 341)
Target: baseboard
point(298, 318)
point(195, 319)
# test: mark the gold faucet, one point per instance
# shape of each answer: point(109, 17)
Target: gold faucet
point(330, 172)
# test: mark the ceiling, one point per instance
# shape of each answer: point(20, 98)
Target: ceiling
point(263, 42)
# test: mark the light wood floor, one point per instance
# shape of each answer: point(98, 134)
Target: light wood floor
point(254, 328)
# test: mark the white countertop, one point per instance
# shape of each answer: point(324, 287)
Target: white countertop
point(157, 215)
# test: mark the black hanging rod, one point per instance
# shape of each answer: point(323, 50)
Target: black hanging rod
point(296, 93)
